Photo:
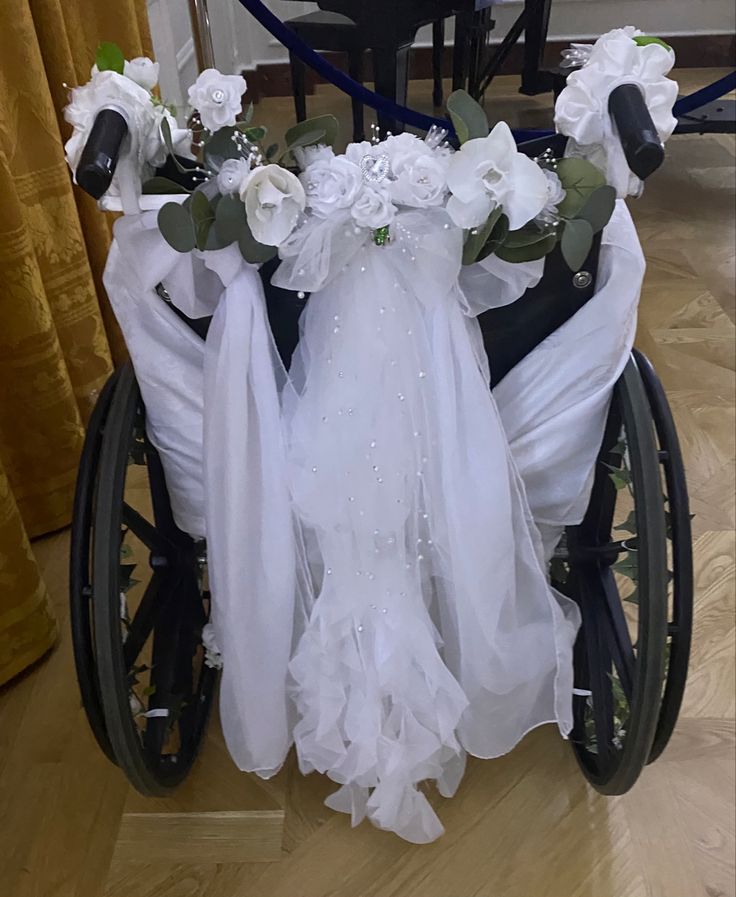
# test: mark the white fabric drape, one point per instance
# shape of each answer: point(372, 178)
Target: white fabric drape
point(378, 525)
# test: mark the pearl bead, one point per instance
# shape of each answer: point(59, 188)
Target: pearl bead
point(336, 330)
point(351, 498)
point(384, 610)
point(314, 470)
point(422, 375)
point(360, 628)
point(379, 480)
point(373, 444)
point(301, 294)
point(328, 571)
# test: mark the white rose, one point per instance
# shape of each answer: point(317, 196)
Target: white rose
point(308, 155)
point(421, 182)
point(489, 172)
point(233, 175)
point(143, 71)
point(217, 98)
point(331, 183)
point(373, 208)
point(273, 199)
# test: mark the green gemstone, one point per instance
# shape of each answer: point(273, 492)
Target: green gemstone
point(381, 235)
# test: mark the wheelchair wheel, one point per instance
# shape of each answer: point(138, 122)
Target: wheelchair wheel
point(679, 534)
point(150, 605)
point(80, 573)
point(614, 565)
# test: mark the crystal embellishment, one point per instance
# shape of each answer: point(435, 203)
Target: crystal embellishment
point(375, 168)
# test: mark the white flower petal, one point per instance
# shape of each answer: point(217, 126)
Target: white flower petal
point(470, 214)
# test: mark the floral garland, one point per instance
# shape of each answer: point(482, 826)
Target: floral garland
point(505, 203)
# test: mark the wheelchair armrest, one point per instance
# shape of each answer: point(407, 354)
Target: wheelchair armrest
point(635, 129)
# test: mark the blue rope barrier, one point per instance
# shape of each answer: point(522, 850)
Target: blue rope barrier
point(415, 119)
point(705, 95)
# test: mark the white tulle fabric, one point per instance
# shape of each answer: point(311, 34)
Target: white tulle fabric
point(379, 580)
point(581, 110)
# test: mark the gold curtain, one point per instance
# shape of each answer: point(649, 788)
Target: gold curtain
point(57, 338)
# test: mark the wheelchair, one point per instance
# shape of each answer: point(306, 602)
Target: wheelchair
point(139, 590)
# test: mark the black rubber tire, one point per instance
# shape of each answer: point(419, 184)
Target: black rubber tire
point(604, 645)
point(680, 624)
point(80, 578)
point(172, 600)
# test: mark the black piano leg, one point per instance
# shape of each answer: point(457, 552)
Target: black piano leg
point(438, 48)
point(355, 70)
point(463, 22)
point(391, 79)
point(298, 86)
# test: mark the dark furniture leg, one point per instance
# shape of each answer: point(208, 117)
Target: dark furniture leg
point(533, 79)
point(355, 70)
point(438, 47)
point(391, 75)
point(298, 86)
point(463, 24)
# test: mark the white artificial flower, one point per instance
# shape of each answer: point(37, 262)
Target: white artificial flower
point(422, 181)
point(106, 89)
point(233, 176)
point(273, 199)
point(354, 152)
point(143, 71)
point(307, 155)
point(217, 98)
point(488, 172)
point(581, 110)
point(331, 183)
point(555, 195)
point(373, 207)
point(212, 655)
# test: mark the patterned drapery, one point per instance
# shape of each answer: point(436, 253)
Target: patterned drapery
point(57, 338)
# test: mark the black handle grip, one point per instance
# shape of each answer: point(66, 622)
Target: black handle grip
point(641, 144)
point(100, 154)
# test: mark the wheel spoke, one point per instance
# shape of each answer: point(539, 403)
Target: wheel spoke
point(145, 531)
point(145, 618)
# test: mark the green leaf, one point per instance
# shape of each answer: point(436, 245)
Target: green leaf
point(253, 251)
point(577, 238)
point(628, 525)
point(327, 124)
point(477, 237)
point(580, 179)
point(308, 138)
point(221, 147)
point(525, 236)
point(598, 207)
point(254, 134)
point(202, 216)
point(467, 115)
point(177, 227)
point(643, 40)
point(159, 185)
point(229, 219)
point(496, 239)
point(109, 58)
point(272, 150)
point(528, 253)
point(248, 117)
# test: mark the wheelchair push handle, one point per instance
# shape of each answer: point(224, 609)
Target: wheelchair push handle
point(641, 144)
point(100, 154)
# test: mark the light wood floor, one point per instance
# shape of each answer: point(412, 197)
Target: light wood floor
point(522, 826)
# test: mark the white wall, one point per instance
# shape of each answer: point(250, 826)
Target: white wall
point(241, 43)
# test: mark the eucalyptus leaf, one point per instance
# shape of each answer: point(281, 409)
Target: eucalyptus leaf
point(248, 117)
point(202, 216)
point(254, 134)
point(308, 138)
point(598, 207)
point(169, 144)
point(109, 58)
point(477, 237)
point(467, 115)
point(229, 219)
point(496, 239)
point(577, 238)
point(251, 250)
point(580, 179)
point(272, 150)
point(325, 123)
point(177, 227)
point(220, 147)
point(525, 236)
point(161, 185)
point(530, 252)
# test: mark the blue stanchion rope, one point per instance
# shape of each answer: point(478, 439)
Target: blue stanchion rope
point(411, 117)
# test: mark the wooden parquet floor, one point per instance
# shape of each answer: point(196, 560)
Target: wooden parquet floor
point(522, 826)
